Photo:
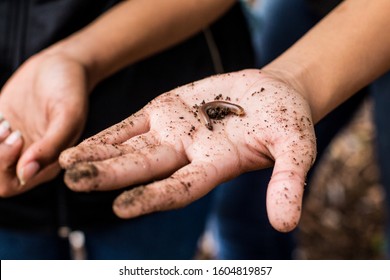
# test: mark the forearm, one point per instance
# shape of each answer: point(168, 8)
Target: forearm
point(346, 51)
point(135, 29)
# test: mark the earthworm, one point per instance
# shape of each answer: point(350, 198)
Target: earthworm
point(218, 110)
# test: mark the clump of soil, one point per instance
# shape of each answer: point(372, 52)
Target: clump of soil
point(218, 113)
point(80, 171)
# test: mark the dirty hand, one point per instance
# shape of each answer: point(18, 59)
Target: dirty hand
point(43, 108)
point(178, 156)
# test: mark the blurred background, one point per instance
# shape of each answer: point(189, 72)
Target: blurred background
point(343, 215)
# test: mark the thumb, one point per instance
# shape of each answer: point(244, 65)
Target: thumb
point(45, 151)
point(285, 190)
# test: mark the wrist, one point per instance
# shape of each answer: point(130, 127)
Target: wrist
point(69, 50)
point(299, 78)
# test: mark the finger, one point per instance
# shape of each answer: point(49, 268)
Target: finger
point(4, 129)
point(88, 153)
point(188, 184)
point(44, 175)
point(104, 145)
point(285, 190)
point(98, 151)
point(136, 124)
point(144, 165)
point(46, 150)
point(10, 150)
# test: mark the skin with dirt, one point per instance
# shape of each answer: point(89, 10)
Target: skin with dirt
point(166, 147)
point(82, 171)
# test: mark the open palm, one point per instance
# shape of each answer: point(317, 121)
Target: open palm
point(169, 148)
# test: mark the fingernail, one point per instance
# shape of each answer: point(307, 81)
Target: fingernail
point(13, 137)
point(1, 117)
point(28, 171)
point(4, 127)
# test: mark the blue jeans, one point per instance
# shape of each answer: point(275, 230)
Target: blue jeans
point(165, 235)
point(239, 222)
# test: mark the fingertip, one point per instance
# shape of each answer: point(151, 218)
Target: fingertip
point(122, 212)
point(81, 177)
point(283, 222)
point(128, 204)
point(4, 129)
point(73, 155)
point(32, 159)
point(14, 139)
point(284, 205)
point(27, 172)
point(64, 158)
point(11, 148)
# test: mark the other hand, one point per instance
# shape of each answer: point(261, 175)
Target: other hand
point(46, 102)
